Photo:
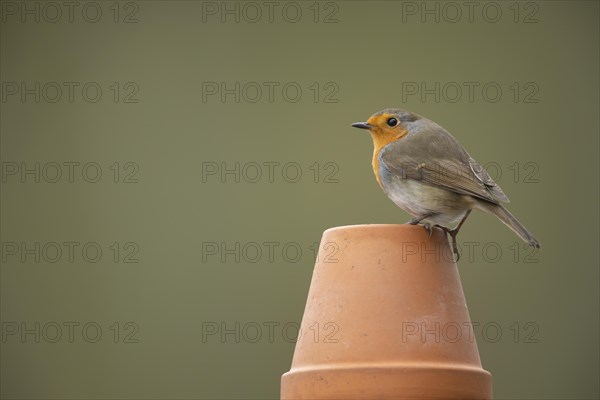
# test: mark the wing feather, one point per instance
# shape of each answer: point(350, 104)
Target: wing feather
point(425, 155)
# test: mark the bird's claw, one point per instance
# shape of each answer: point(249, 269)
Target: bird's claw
point(428, 228)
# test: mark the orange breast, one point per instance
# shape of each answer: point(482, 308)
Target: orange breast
point(375, 164)
point(379, 142)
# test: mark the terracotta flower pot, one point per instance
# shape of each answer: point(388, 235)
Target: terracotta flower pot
point(385, 318)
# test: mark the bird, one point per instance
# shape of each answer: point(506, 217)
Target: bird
point(426, 172)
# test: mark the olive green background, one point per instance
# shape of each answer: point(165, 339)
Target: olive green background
point(370, 55)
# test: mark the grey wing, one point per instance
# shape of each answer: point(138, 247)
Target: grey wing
point(480, 173)
point(425, 156)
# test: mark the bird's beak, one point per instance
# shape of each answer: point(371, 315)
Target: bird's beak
point(362, 125)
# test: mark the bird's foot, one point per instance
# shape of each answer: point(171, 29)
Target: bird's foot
point(453, 233)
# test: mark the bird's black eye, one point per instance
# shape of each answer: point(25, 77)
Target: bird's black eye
point(392, 122)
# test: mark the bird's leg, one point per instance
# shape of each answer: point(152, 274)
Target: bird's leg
point(427, 226)
point(454, 232)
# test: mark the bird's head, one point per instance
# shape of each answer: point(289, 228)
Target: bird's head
point(388, 125)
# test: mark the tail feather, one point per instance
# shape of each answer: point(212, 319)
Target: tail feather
point(509, 220)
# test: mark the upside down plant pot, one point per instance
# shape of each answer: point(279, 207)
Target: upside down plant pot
point(385, 318)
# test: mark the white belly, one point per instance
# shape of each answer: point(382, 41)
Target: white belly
point(419, 199)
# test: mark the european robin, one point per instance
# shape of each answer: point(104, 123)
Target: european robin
point(427, 173)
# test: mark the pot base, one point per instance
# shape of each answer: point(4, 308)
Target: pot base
point(390, 382)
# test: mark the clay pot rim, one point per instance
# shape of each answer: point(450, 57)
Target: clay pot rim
point(375, 226)
point(439, 366)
